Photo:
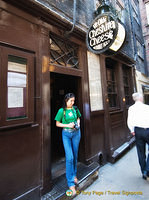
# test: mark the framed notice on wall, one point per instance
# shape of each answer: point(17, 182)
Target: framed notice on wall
point(15, 97)
point(96, 100)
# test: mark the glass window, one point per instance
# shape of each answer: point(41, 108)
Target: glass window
point(119, 7)
point(63, 53)
point(97, 4)
point(111, 86)
point(16, 87)
point(135, 5)
point(145, 89)
point(126, 82)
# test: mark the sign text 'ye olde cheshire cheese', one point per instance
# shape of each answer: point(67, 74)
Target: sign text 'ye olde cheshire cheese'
point(103, 32)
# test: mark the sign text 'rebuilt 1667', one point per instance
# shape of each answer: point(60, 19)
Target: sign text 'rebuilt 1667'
point(102, 33)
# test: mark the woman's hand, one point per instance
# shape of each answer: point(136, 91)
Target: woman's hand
point(70, 125)
point(78, 122)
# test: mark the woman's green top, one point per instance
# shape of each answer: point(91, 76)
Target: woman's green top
point(68, 115)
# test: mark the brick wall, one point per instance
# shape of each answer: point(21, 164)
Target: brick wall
point(85, 15)
point(145, 28)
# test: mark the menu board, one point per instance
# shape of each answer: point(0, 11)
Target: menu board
point(95, 88)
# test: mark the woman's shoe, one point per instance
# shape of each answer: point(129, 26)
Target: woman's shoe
point(73, 190)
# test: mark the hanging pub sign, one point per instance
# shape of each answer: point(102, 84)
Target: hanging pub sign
point(105, 33)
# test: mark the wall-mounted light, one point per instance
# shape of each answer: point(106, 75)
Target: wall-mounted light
point(124, 99)
point(107, 100)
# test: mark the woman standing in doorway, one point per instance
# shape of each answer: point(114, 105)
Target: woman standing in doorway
point(68, 118)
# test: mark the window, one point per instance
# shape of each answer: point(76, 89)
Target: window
point(140, 49)
point(119, 5)
point(147, 11)
point(140, 65)
point(145, 89)
point(118, 8)
point(63, 53)
point(111, 85)
point(135, 6)
point(136, 19)
point(16, 87)
point(97, 4)
point(126, 82)
point(113, 2)
point(17, 90)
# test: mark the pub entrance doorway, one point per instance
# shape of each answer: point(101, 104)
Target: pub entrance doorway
point(60, 84)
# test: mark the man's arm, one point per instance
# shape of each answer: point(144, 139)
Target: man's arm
point(130, 121)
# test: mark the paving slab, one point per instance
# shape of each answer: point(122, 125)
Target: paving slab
point(119, 181)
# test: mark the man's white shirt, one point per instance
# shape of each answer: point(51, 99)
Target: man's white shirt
point(138, 116)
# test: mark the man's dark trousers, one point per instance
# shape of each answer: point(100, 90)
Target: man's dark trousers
point(142, 138)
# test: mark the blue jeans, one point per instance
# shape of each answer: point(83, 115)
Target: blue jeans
point(71, 140)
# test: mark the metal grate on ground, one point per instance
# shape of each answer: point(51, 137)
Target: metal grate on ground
point(60, 183)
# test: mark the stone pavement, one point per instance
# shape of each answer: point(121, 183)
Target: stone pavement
point(119, 181)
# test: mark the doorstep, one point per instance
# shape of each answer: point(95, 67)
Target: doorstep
point(123, 148)
point(86, 175)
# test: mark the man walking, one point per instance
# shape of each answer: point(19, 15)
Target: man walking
point(138, 123)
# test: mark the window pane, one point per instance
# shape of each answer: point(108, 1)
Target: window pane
point(16, 79)
point(16, 64)
point(112, 100)
point(63, 52)
point(125, 79)
point(15, 97)
point(126, 89)
point(109, 77)
point(126, 82)
point(111, 87)
point(16, 87)
point(127, 100)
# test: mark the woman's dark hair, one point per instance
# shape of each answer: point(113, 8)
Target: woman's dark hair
point(66, 98)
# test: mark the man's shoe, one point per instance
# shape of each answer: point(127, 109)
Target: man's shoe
point(144, 175)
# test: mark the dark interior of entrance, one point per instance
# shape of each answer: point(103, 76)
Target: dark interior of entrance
point(60, 85)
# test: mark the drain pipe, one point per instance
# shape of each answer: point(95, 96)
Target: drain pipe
point(74, 19)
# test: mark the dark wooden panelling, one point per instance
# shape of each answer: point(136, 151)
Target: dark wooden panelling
point(65, 70)
point(20, 157)
point(97, 136)
point(17, 24)
point(84, 95)
point(118, 133)
point(20, 150)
